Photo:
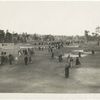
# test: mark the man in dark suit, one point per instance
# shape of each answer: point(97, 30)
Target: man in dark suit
point(67, 70)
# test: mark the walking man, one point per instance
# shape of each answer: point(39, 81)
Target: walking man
point(60, 58)
point(77, 61)
point(2, 58)
point(10, 59)
point(93, 52)
point(79, 54)
point(67, 70)
point(52, 55)
point(26, 60)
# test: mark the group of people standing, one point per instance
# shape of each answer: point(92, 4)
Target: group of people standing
point(26, 54)
point(69, 64)
point(69, 61)
point(6, 58)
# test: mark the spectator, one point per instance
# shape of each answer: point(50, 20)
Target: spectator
point(2, 58)
point(77, 61)
point(60, 58)
point(26, 59)
point(10, 59)
point(67, 70)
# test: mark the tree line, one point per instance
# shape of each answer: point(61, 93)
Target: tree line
point(13, 37)
point(92, 36)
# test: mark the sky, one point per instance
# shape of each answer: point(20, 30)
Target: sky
point(50, 17)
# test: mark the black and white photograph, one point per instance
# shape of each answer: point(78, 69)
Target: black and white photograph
point(50, 47)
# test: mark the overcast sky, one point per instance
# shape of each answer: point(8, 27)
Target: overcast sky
point(66, 18)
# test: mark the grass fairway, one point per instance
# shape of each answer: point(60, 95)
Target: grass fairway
point(45, 75)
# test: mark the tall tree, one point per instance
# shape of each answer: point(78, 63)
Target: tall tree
point(8, 37)
point(14, 37)
point(97, 29)
point(2, 36)
point(49, 38)
point(36, 37)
